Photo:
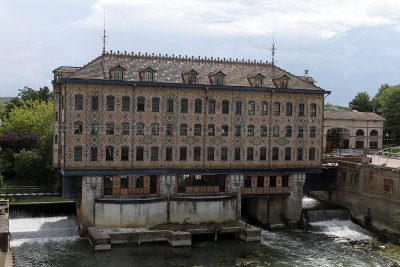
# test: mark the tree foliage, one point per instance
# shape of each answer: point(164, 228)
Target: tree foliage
point(17, 140)
point(31, 116)
point(361, 102)
point(331, 107)
point(389, 101)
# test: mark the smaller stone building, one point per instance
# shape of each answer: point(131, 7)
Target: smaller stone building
point(352, 130)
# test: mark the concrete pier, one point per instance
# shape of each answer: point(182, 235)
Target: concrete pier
point(177, 235)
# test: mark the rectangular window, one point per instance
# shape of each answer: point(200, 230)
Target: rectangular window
point(225, 107)
point(238, 107)
point(78, 102)
point(311, 154)
point(263, 153)
point(373, 144)
point(277, 109)
point(93, 154)
point(170, 105)
point(78, 153)
point(272, 181)
point(56, 116)
point(148, 76)
point(124, 182)
point(275, 132)
point(140, 103)
point(182, 153)
point(118, 75)
point(95, 102)
point(275, 153)
point(313, 110)
point(388, 185)
point(264, 108)
point(124, 153)
point(250, 152)
point(125, 128)
point(238, 130)
point(168, 154)
point(139, 153)
point(237, 153)
point(110, 103)
point(219, 80)
point(301, 109)
point(211, 106)
point(139, 181)
point(224, 154)
point(312, 132)
point(301, 131)
point(154, 153)
point(109, 153)
point(155, 104)
point(183, 129)
point(359, 144)
point(197, 106)
point(224, 130)
point(288, 152)
point(299, 154)
point(289, 109)
point(247, 181)
point(260, 181)
point(197, 129)
point(285, 181)
point(251, 108)
point(191, 78)
point(109, 128)
point(184, 105)
point(197, 154)
point(210, 154)
point(125, 103)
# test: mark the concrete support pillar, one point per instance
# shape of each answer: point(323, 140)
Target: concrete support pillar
point(294, 201)
point(91, 189)
point(167, 184)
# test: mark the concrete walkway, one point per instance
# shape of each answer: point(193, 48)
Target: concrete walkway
point(379, 160)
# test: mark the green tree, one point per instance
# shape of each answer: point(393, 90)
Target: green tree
point(390, 108)
point(361, 102)
point(31, 116)
point(376, 100)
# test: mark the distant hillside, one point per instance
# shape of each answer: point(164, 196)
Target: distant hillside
point(334, 107)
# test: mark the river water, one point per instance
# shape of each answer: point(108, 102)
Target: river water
point(54, 241)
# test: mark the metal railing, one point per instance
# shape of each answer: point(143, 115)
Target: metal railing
point(29, 191)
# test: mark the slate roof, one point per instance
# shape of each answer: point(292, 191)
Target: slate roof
point(352, 115)
point(169, 69)
point(67, 69)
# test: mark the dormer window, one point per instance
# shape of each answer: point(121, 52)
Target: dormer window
point(217, 78)
point(256, 80)
point(117, 73)
point(282, 82)
point(146, 75)
point(189, 77)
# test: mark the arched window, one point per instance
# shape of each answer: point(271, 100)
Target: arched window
point(313, 110)
point(140, 128)
point(140, 103)
point(154, 153)
point(183, 129)
point(124, 153)
point(263, 153)
point(211, 130)
point(374, 133)
point(126, 103)
point(225, 106)
point(211, 106)
point(155, 129)
point(275, 153)
point(155, 104)
point(250, 130)
point(198, 105)
point(109, 128)
point(224, 153)
point(263, 130)
point(288, 131)
point(311, 154)
point(109, 153)
point(289, 109)
point(139, 153)
point(77, 153)
point(184, 105)
point(360, 132)
point(251, 107)
point(78, 102)
point(210, 153)
point(110, 103)
point(250, 152)
point(78, 126)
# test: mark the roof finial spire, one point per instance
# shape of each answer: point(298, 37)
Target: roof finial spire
point(273, 49)
point(104, 32)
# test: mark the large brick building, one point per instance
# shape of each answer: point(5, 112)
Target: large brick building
point(141, 124)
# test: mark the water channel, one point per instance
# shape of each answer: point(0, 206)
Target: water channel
point(54, 241)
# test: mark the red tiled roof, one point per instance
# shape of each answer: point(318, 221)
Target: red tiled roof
point(169, 69)
point(352, 115)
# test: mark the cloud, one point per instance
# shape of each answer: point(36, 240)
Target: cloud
point(312, 19)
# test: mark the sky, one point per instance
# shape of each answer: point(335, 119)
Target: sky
point(348, 46)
